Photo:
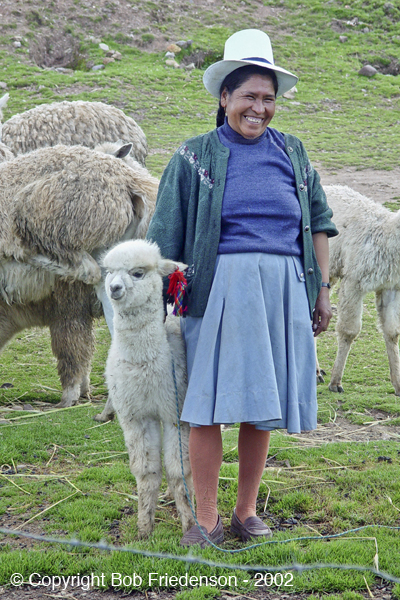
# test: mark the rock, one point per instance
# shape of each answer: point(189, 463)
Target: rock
point(169, 55)
point(3, 85)
point(104, 47)
point(28, 407)
point(184, 44)
point(97, 67)
point(290, 94)
point(174, 48)
point(117, 55)
point(290, 521)
point(108, 59)
point(17, 44)
point(353, 22)
point(368, 71)
point(170, 62)
point(388, 7)
point(189, 67)
point(22, 468)
point(110, 53)
point(384, 459)
point(343, 39)
point(4, 386)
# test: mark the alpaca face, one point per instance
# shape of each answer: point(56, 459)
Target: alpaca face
point(133, 288)
point(135, 271)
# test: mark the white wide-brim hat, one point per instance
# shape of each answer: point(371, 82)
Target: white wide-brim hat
point(246, 47)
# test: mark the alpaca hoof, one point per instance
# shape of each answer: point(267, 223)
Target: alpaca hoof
point(143, 534)
point(320, 378)
point(336, 388)
point(187, 525)
point(64, 404)
point(70, 397)
point(103, 418)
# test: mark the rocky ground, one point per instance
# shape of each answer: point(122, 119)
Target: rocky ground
point(379, 592)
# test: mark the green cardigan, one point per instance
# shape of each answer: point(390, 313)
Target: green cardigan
point(187, 221)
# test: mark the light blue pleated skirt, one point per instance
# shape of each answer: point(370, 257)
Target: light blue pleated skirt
point(251, 357)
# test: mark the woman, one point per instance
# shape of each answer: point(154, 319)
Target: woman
point(242, 206)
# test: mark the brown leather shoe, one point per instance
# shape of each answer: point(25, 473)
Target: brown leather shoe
point(253, 527)
point(193, 535)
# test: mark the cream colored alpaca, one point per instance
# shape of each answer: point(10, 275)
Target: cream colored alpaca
point(59, 206)
point(71, 123)
point(365, 256)
point(139, 374)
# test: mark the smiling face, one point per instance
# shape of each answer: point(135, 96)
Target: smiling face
point(250, 107)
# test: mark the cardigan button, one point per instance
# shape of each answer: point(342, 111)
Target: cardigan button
point(307, 228)
point(301, 187)
point(310, 271)
point(290, 149)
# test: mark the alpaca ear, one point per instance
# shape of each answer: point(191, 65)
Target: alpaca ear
point(166, 267)
point(123, 150)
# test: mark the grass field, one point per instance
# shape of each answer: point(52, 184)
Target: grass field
point(62, 475)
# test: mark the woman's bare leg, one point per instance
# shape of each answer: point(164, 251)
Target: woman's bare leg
point(205, 453)
point(253, 451)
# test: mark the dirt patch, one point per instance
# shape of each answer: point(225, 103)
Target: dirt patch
point(342, 431)
point(379, 185)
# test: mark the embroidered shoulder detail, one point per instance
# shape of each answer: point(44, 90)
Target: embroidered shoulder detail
point(193, 160)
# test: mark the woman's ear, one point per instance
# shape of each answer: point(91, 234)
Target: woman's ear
point(224, 96)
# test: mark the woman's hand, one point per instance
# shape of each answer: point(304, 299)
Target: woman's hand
point(322, 312)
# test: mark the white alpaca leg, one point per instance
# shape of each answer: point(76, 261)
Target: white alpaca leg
point(388, 307)
point(143, 441)
point(173, 468)
point(348, 327)
point(85, 386)
point(107, 414)
point(70, 395)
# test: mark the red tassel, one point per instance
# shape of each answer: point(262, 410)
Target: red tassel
point(176, 291)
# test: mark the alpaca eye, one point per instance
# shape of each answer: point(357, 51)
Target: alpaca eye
point(137, 274)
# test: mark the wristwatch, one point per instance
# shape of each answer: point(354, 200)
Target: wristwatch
point(324, 284)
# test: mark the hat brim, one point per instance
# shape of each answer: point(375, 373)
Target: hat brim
point(216, 73)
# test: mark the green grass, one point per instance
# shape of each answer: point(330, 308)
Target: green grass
point(63, 475)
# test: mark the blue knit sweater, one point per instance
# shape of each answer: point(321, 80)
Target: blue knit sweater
point(260, 208)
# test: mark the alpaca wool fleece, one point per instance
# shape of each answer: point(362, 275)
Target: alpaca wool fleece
point(58, 201)
point(72, 123)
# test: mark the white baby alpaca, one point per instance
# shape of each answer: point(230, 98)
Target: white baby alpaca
point(139, 376)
